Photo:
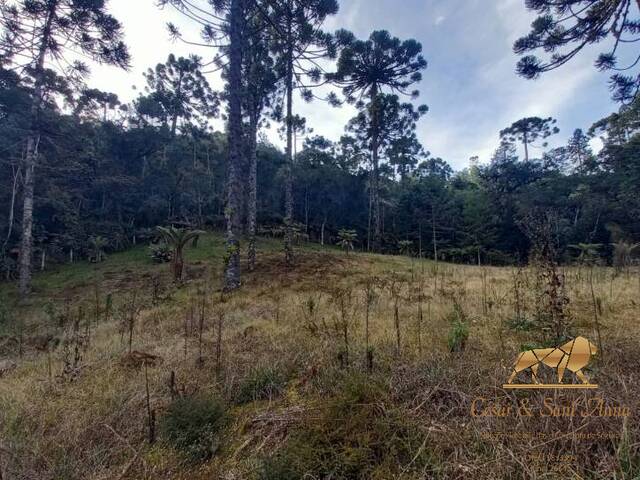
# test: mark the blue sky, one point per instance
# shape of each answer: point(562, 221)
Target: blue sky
point(469, 85)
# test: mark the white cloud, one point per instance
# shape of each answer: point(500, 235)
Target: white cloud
point(470, 86)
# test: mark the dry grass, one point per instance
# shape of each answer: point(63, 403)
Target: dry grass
point(92, 423)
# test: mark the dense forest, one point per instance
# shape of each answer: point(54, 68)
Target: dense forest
point(95, 174)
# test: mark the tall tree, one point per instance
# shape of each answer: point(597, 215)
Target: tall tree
point(528, 130)
point(299, 44)
point(260, 84)
point(367, 68)
point(236, 21)
point(226, 21)
point(393, 120)
point(564, 28)
point(38, 35)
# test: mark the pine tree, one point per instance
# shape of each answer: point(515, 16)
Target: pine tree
point(366, 68)
point(528, 130)
point(298, 43)
point(260, 83)
point(564, 28)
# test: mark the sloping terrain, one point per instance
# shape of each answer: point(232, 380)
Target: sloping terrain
point(350, 366)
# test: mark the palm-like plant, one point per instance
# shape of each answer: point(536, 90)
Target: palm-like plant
point(405, 247)
point(622, 253)
point(346, 239)
point(177, 238)
point(98, 245)
point(588, 252)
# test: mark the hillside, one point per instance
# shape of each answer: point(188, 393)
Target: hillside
point(275, 381)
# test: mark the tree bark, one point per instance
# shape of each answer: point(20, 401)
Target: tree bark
point(31, 157)
point(174, 117)
point(375, 145)
point(12, 206)
point(232, 210)
point(253, 192)
point(288, 202)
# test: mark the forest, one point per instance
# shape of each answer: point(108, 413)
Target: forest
point(263, 241)
point(156, 161)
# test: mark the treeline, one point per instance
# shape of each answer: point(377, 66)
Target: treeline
point(116, 172)
point(81, 170)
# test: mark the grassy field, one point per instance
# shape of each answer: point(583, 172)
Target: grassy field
point(287, 379)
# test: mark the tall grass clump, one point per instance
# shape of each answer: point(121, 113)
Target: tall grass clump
point(458, 329)
point(193, 425)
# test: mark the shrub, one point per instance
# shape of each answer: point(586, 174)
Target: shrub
point(358, 434)
point(160, 252)
point(261, 384)
point(193, 425)
point(458, 331)
point(521, 324)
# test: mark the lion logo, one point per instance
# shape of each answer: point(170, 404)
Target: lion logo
point(573, 356)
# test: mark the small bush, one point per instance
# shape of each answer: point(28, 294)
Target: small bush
point(261, 384)
point(193, 426)
point(357, 435)
point(160, 252)
point(459, 330)
point(521, 324)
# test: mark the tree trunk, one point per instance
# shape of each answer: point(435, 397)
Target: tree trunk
point(178, 265)
point(174, 116)
point(232, 210)
point(433, 231)
point(253, 192)
point(12, 207)
point(31, 157)
point(525, 141)
point(375, 140)
point(288, 202)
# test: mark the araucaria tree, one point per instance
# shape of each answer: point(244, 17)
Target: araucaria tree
point(298, 43)
point(260, 84)
point(38, 35)
point(365, 69)
point(528, 130)
point(232, 212)
point(565, 27)
point(226, 21)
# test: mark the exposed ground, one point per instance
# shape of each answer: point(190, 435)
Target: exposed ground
point(286, 360)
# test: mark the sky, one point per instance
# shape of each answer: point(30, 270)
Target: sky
point(470, 85)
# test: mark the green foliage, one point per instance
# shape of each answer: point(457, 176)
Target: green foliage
point(261, 384)
point(458, 329)
point(358, 434)
point(564, 28)
point(405, 247)
point(160, 252)
point(521, 324)
point(194, 425)
point(98, 245)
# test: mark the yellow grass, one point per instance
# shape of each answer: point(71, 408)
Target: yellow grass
point(94, 425)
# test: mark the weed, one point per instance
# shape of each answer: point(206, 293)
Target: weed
point(458, 330)
point(193, 425)
point(261, 384)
